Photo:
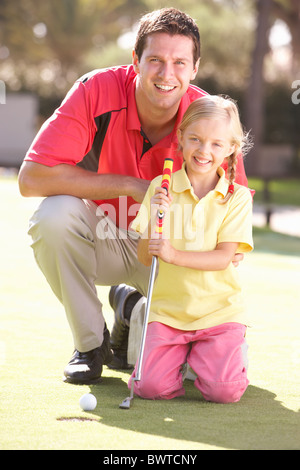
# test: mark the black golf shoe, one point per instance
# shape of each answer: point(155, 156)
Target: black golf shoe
point(86, 367)
point(122, 299)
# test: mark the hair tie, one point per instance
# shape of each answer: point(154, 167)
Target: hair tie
point(231, 188)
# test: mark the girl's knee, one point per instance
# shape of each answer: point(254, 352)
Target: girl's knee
point(147, 389)
point(153, 390)
point(222, 392)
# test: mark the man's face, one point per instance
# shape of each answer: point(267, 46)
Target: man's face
point(164, 70)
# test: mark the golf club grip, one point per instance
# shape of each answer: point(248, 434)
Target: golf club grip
point(165, 184)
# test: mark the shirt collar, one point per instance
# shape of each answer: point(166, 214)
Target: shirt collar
point(181, 183)
point(223, 183)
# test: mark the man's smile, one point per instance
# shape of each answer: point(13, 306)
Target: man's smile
point(165, 88)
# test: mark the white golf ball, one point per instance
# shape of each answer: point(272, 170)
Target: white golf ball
point(88, 402)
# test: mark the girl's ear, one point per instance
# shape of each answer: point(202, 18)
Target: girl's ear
point(180, 142)
point(179, 137)
point(232, 149)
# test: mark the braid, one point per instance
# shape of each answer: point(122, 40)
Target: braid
point(232, 162)
point(231, 172)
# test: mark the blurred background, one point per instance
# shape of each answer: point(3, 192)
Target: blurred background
point(250, 51)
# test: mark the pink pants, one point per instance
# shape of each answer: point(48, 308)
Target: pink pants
point(216, 355)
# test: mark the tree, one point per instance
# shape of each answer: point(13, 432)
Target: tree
point(289, 12)
point(47, 42)
point(267, 12)
point(255, 95)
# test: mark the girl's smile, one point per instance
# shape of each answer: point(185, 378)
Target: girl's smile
point(205, 144)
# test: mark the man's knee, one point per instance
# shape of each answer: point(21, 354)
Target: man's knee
point(55, 216)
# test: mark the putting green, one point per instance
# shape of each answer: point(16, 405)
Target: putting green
point(39, 411)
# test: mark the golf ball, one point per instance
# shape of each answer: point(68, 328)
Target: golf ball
point(88, 402)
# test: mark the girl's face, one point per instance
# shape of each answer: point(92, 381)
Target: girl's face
point(205, 144)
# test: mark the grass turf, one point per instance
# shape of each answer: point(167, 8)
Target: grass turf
point(38, 411)
point(281, 191)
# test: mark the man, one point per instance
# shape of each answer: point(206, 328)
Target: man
point(93, 161)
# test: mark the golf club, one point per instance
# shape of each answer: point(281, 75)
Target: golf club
point(167, 171)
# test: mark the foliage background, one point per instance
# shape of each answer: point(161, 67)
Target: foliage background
point(46, 46)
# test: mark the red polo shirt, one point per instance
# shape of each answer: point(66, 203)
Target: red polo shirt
point(97, 127)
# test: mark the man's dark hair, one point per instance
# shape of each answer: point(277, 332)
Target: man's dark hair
point(170, 21)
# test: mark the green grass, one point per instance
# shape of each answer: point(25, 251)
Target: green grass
point(39, 411)
point(267, 241)
point(282, 191)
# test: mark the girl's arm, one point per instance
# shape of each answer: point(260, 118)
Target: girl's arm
point(215, 260)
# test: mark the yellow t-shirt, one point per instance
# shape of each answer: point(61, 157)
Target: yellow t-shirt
point(190, 299)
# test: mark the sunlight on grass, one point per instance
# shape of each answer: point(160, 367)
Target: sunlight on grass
point(282, 191)
point(39, 411)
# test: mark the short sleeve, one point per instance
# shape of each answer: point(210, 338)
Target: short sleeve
point(67, 135)
point(237, 224)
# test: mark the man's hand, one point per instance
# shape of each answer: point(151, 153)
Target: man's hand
point(238, 257)
point(139, 189)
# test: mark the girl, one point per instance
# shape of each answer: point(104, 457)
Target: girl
point(197, 314)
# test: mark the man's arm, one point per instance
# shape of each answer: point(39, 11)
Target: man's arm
point(37, 180)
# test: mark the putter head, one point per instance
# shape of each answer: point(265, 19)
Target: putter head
point(125, 405)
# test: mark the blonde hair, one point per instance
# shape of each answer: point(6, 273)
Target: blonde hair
point(221, 107)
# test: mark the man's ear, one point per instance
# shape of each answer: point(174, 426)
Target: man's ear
point(135, 61)
point(195, 71)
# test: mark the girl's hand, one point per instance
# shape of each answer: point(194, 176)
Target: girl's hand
point(162, 248)
point(160, 200)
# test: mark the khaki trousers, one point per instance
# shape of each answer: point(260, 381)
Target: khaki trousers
point(78, 247)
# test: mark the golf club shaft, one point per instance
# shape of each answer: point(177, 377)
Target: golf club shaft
point(145, 323)
point(166, 179)
point(168, 165)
